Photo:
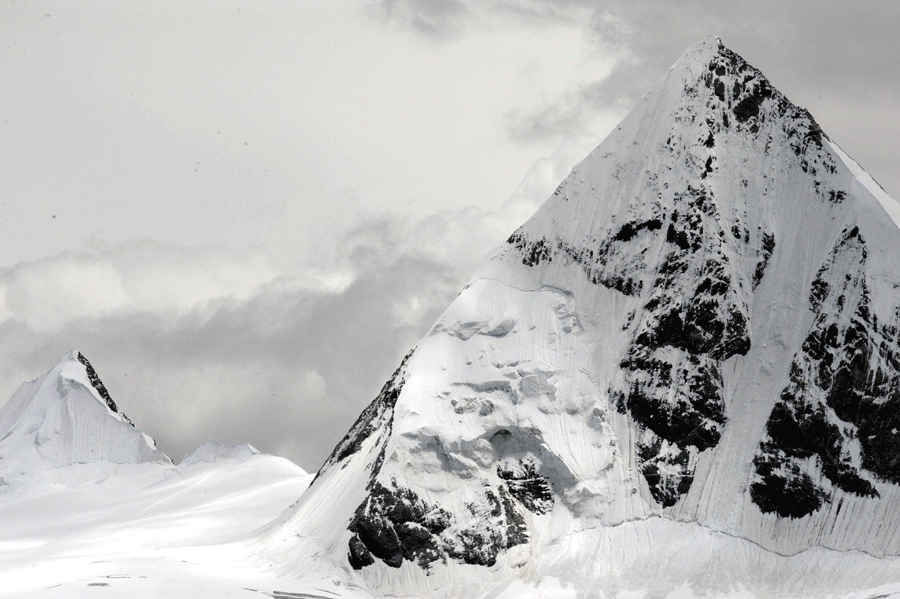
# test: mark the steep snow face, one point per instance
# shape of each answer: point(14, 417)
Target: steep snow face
point(701, 324)
point(65, 426)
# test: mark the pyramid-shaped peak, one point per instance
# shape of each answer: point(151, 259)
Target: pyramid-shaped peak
point(709, 69)
point(708, 47)
point(711, 284)
point(66, 422)
point(700, 57)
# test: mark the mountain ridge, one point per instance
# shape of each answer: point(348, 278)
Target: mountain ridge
point(699, 324)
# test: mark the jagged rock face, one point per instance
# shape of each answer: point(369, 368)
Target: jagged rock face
point(840, 413)
point(696, 324)
point(375, 421)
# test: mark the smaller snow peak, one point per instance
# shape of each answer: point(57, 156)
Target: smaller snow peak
point(64, 426)
point(98, 385)
point(216, 452)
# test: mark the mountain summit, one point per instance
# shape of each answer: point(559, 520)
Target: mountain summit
point(689, 356)
point(66, 426)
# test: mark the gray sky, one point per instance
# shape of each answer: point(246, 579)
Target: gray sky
point(245, 213)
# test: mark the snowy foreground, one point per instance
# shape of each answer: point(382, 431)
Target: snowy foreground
point(149, 531)
point(189, 532)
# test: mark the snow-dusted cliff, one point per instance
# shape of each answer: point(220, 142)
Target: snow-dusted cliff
point(691, 349)
point(65, 426)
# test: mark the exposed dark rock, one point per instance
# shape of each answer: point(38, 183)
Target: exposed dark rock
point(631, 229)
point(756, 105)
point(379, 537)
point(418, 544)
point(611, 262)
point(98, 385)
point(790, 494)
point(655, 460)
point(836, 196)
point(768, 246)
point(533, 252)
point(752, 99)
point(358, 556)
point(677, 237)
point(394, 524)
point(720, 89)
point(694, 307)
point(843, 393)
point(527, 486)
point(697, 414)
point(478, 546)
point(516, 531)
point(484, 538)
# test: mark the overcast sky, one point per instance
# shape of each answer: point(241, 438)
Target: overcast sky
point(245, 212)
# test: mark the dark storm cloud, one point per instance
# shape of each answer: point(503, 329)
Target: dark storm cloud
point(836, 58)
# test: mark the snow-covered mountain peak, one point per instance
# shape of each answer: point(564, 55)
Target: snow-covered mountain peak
point(66, 423)
point(700, 54)
point(701, 324)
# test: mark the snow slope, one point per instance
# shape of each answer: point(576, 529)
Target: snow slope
point(683, 370)
point(161, 531)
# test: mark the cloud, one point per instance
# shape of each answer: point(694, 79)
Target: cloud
point(448, 19)
point(199, 344)
point(438, 18)
point(133, 278)
point(577, 111)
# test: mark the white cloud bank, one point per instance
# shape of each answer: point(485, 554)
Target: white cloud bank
point(134, 278)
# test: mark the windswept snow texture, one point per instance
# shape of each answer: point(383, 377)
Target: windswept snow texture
point(700, 326)
point(64, 426)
